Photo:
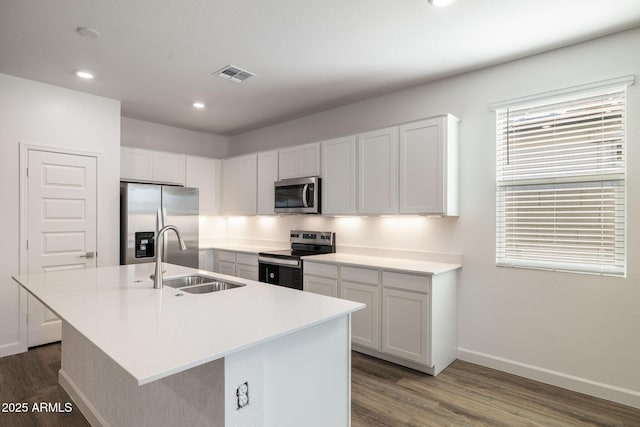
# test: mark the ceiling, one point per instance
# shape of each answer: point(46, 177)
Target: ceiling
point(157, 57)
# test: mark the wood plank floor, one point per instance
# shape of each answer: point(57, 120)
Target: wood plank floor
point(383, 394)
point(32, 378)
point(464, 394)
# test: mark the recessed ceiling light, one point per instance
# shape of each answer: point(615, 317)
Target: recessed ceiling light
point(441, 3)
point(198, 105)
point(88, 32)
point(84, 74)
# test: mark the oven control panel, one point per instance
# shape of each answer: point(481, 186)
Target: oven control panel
point(312, 237)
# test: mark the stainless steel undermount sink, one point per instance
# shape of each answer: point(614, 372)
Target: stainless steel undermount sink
point(199, 284)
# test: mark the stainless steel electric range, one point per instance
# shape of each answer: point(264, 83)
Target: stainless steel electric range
point(284, 268)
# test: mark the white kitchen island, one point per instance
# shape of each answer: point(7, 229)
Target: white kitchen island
point(137, 356)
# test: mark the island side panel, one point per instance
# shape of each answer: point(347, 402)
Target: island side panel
point(108, 395)
point(301, 379)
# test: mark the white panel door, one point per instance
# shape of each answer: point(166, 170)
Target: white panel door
point(61, 226)
point(135, 164)
point(168, 167)
point(309, 160)
point(377, 169)
point(339, 176)
point(364, 323)
point(405, 325)
point(288, 163)
point(204, 174)
point(239, 185)
point(422, 167)
point(267, 175)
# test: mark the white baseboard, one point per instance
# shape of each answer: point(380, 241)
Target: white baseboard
point(87, 409)
point(559, 379)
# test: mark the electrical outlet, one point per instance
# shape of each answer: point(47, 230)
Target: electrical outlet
point(242, 393)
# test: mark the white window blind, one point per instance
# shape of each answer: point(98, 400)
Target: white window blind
point(561, 192)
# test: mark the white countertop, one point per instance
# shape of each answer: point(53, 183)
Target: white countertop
point(237, 247)
point(151, 333)
point(397, 264)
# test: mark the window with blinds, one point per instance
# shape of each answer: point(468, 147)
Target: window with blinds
point(561, 192)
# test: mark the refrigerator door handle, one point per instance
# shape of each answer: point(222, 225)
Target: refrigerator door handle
point(159, 224)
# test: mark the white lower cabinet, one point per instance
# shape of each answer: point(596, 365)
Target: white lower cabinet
point(320, 279)
point(409, 319)
point(226, 267)
point(236, 264)
point(405, 325)
point(321, 285)
point(247, 266)
point(205, 259)
point(364, 323)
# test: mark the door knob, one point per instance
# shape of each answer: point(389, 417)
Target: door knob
point(88, 255)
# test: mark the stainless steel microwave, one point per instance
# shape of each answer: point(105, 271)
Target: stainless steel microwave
point(298, 195)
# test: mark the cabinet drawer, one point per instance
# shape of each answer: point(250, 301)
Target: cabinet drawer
point(408, 282)
point(320, 285)
point(361, 275)
point(227, 256)
point(247, 271)
point(247, 259)
point(324, 270)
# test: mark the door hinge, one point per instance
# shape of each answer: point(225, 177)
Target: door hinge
point(27, 245)
point(27, 172)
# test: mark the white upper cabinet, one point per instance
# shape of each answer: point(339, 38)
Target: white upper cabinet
point(267, 175)
point(205, 174)
point(378, 170)
point(141, 165)
point(428, 167)
point(299, 161)
point(239, 185)
point(339, 176)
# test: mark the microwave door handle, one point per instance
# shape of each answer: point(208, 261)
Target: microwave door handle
point(305, 201)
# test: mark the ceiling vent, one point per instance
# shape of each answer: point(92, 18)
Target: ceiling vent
point(233, 73)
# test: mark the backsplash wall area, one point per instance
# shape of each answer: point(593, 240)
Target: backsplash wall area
point(406, 236)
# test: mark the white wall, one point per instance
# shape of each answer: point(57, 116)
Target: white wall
point(577, 331)
point(154, 136)
point(41, 114)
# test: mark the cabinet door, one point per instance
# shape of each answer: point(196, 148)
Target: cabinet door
point(288, 163)
point(167, 167)
point(405, 325)
point(299, 161)
point(226, 267)
point(267, 175)
point(309, 160)
point(377, 166)
point(204, 174)
point(205, 259)
point(135, 164)
point(339, 176)
point(365, 322)
point(247, 266)
point(320, 285)
point(422, 167)
point(239, 185)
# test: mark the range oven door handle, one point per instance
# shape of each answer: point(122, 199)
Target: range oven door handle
point(287, 262)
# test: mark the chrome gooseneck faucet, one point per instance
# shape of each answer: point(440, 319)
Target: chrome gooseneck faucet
point(157, 277)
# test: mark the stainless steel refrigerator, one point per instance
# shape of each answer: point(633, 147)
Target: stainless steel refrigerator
point(144, 209)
